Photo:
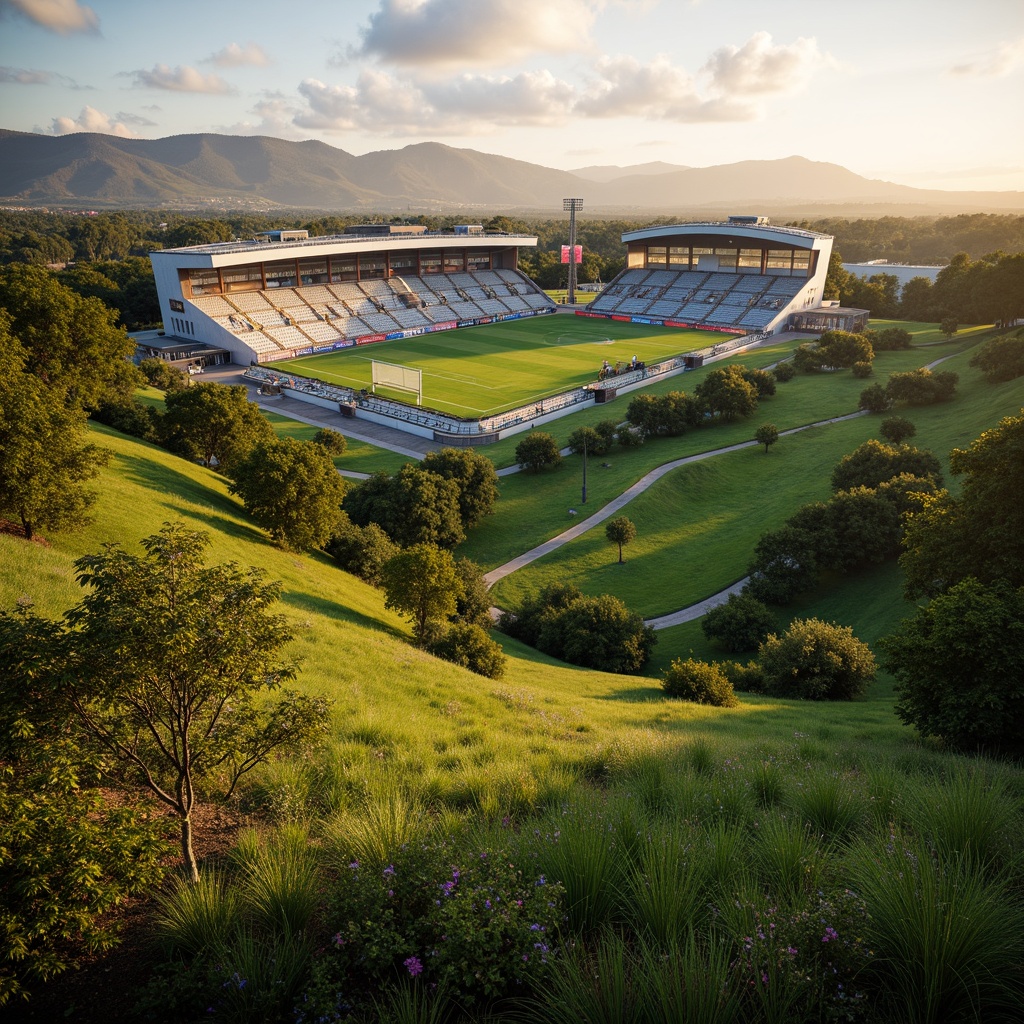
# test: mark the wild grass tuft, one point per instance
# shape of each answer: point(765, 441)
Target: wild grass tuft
point(195, 917)
point(828, 803)
point(411, 1004)
point(947, 942)
point(767, 783)
point(789, 856)
point(279, 880)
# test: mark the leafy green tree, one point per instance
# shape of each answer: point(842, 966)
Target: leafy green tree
point(815, 660)
point(897, 429)
point(475, 476)
point(1002, 358)
point(621, 531)
point(916, 301)
point(606, 431)
point(331, 441)
point(473, 603)
point(598, 632)
point(425, 509)
point(214, 423)
point(785, 564)
point(862, 370)
point(525, 624)
point(160, 374)
point(292, 489)
point(921, 387)
point(959, 667)
point(862, 527)
point(370, 501)
point(949, 326)
point(763, 380)
point(70, 855)
point(45, 461)
point(741, 624)
point(469, 645)
point(361, 550)
point(167, 666)
point(784, 372)
point(874, 399)
point(725, 393)
point(69, 342)
point(585, 439)
point(843, 349)
point(981, 532)
point(873, 462)
point(767, 434)
point(423, 583)
point(698, 682)
point(891, 339)
point(537, 450)
point(646, 414)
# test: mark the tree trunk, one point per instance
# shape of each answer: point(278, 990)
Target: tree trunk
point(26, 525)
point(187, 854)
point(620, 552)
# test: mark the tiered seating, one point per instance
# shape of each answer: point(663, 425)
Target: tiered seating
point(755, 319)
point(409, 318)
point(322, 333)
point(267, 317)
point(248, 302)
point(515, 303)
point(316, 294)
point(380, 323)
point(235, 323)
point(288, 337)
point(213, 305)
point(492, 307)
point(262, 344)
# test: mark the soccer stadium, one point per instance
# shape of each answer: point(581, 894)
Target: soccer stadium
point(458, 354)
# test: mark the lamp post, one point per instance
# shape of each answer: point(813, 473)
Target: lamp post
point(584, 470)
point(572, 205)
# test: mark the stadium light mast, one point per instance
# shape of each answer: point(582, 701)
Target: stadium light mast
point(572, 205)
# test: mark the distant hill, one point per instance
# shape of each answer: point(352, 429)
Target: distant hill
point(235, 171)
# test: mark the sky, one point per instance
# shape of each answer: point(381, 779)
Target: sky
point(920, 92)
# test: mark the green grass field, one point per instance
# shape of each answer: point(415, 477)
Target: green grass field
point(480, 371)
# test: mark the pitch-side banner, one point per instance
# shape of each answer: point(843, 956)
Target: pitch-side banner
point(577, 255)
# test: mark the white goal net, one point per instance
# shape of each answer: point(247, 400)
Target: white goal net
point(403, 378)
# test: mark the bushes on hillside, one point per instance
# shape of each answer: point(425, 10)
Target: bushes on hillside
point(537, 451)
point(741, 624)
point(699, 683)
point(469, 645)
point(873, 462)
point(1002, 358)
point(815, 660)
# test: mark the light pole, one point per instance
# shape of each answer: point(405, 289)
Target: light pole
point(584, 470)
point(572, 205)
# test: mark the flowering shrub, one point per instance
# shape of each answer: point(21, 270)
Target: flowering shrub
point(473, 925)
point(807, 957)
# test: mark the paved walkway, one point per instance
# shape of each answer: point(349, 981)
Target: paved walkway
point(577, 530)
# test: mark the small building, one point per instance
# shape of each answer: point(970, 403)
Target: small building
point(829, 316)
point(191, 356)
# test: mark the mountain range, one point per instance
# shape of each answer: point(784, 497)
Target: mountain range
point(231, 171)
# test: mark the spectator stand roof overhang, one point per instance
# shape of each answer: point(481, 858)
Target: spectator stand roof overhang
point(725, 233)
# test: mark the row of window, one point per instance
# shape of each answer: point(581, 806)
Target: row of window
point(684, 257)
point(336, 269)
point(183, 326)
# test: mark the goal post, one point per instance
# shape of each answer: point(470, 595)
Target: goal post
point(401, 378)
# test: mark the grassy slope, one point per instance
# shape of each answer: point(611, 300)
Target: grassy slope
point(462, 734)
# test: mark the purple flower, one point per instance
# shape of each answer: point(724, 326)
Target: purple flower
point(413, 966)
point(487, 904)
point(354, 865)
point(390, 869)
point(391, 892)
point(830, 934)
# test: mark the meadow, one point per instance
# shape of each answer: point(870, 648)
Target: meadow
point(567, 845)
point(479, 371)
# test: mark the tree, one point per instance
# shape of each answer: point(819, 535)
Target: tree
point(698, 682)
point(726, 393)
point(981, 532)
point(785, 564)
point(891, 339)
point(921, 387)
point(815, 660)
point(916, 301)
point(949, 326)
point(766, 434)
point(537, 450)
point(784, 372)
point(959, 667)
point(862, 370)
point(620, 531)
point(844, 348)
point(331, 441)
point(763, 380)
point(44, 458)
point(473, 604)
point(897, 429)
point(424, 509)
point(874, 399)
point(423, 583)
point(741, 624)
point(214, 423)
point(292, 489)
point(585, 439)
point(469, 645)
point(1002, 358)
point(69, 854)
point(475, 477)
point(160, 374)
point(167, 666)
point(361, 550)
point(69, 342)
point(873, 462)
point(598, 632)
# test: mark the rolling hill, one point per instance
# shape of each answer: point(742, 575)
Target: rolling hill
point(233, 171)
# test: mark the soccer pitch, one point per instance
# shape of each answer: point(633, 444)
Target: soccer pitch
point(480, 371)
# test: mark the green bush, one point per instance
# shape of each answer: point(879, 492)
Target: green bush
point(862, 370)
point(468, 645)
point(1002, 358)
point(362, 550)
point(741, 624)
point(748, 678)
point(815, 660)
point(784, 372)
point(698, 682)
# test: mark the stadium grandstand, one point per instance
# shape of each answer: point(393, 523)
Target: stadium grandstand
point(284, 294)
point(740, 275)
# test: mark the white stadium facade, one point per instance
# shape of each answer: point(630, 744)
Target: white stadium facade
point(283, 294)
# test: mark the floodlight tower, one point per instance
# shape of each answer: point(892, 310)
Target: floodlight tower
point(572, 205)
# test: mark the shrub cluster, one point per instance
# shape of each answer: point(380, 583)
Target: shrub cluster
point(915, 387)
point(699, 682)
point(1002, 358)
point(833, 350)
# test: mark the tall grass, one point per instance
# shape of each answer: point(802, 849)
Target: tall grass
point(791, 859)
point(829, 804)
point(279, 880)
point(948, 943)
point(193, 918)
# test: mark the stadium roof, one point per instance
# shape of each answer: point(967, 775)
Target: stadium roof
point(217, 254)
point(760, 232)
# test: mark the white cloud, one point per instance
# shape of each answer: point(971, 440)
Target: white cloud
point(274, 115)
point(235, 56)
point(25, 76)
point(759, 66)
point(658, 90)
point(376, 102)
point(89, 120)
point(136, 120)
point(62, 16)
point(459, 32)
point(529, 98)
point(1002, 61)
point(180, 79)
